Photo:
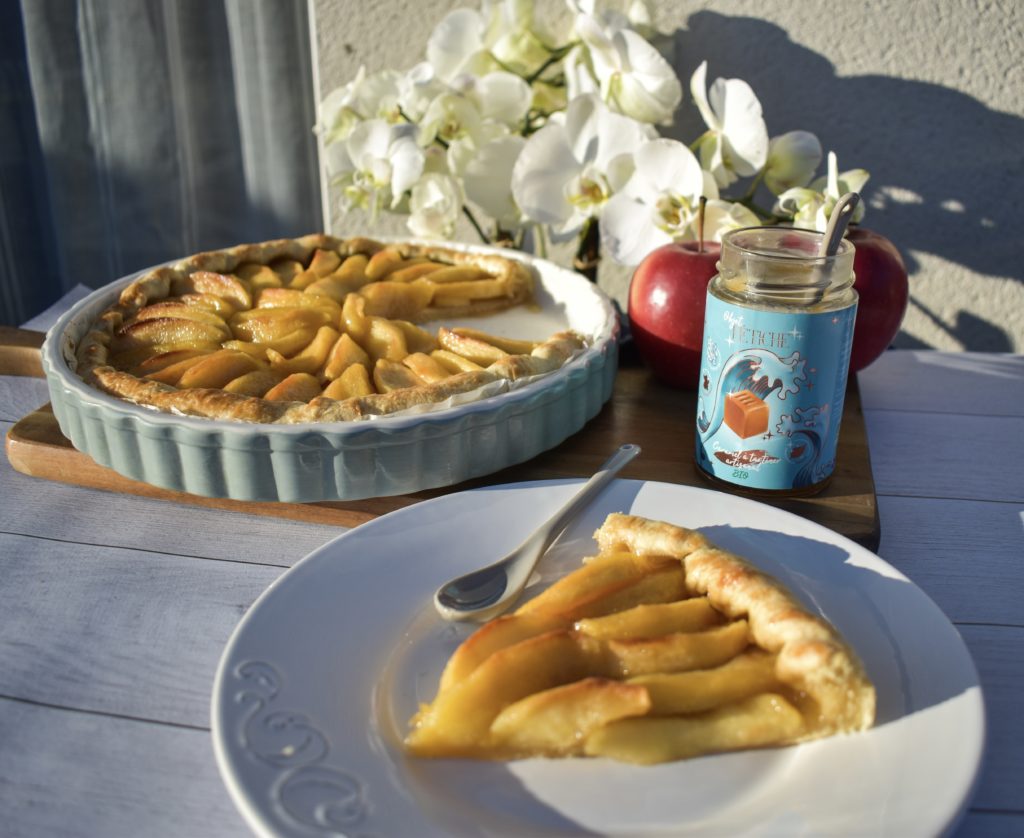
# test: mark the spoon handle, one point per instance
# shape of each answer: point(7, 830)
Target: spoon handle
point(549, 531)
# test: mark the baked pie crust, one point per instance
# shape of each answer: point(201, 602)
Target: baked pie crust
point(271, 332)
point(661, 647)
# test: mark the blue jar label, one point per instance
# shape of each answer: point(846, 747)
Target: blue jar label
point(770, 396)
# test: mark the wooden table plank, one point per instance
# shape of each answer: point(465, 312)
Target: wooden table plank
point(69, 513)
point(999, 655)
point(65, 773)
point(966, 555)
point(118, 631)
point(976, 383)
point(978, 824)
point(935, 455)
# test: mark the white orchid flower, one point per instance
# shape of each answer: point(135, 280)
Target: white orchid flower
point(579, 74)
point(722, 216)
point(810, 207)
point(804, 206)
point(657, 205)
point(632, 14)
point(500, 97)
point(417, 88)
point(487, 178)
point(456, 123)
point(365, 97)
point(793, 159)
point(375, 164)
point(450, 117)
point(635, 78)
point(434, 206)
point(569, 169)
point(736, 142)
point(467, 41)
point(835, 184)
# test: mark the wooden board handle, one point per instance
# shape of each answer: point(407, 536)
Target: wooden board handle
point(19, 352)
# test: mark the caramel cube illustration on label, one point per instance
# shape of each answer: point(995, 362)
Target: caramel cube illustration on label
point(746, 414)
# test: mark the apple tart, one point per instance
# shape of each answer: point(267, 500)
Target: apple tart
point(661, 647)
point(314, 329)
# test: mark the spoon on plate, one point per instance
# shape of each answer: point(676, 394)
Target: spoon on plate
point(485, 593)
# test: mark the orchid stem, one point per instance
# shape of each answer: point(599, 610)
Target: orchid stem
point(466, 211)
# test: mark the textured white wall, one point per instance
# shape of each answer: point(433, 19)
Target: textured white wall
point(928, 96)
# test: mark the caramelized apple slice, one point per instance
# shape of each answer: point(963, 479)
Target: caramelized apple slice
point(454, 363)
point(426, 367)
point(176, 308)
point(216, 370)
point(385, 339)
point(653, 620)
point(767, 719)
point(391, 375)
point(382, 263)
point(511, 345)
point(344, 354)
point(457, 273)
point(745, 675)
point(353, 382)
point(556, 722)
point(324, 262)
point(681, 651)
point(457, 723)
point(353, 270)
point(264, 325)
point(415, 269)
point(146, 359)
point(258, 276)
point(475, 350)
point(310, 359)
point(220, 285)
point(287, 345)
point(162, 360)
point(297, 387)
point(209, 302)
point(254, 383)
point(397, 300)
point(173, 372)
point(167, 330)
point(293, 298)
point(286, 269)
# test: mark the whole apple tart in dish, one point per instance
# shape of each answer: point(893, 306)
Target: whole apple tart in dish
point(324, 368)
point(316, 329)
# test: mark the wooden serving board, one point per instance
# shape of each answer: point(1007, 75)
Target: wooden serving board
point(641, 410)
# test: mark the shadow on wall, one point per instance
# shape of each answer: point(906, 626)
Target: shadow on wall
point(943, 165)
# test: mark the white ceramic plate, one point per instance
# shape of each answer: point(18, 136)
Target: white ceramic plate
point(316, 685)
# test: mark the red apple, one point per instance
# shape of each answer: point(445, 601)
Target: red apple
point(881, 282)
point(667, 295)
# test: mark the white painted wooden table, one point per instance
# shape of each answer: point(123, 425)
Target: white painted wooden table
point(114, 610)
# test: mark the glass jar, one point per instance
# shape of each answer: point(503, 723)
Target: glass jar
point(778, 329)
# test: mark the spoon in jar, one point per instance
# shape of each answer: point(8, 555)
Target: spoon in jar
point(838, 221)
point(485, 593)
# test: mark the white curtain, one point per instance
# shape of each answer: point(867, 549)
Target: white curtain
point(138, 131)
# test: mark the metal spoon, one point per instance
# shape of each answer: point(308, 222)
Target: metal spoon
point(834, 232)
point(487, 592)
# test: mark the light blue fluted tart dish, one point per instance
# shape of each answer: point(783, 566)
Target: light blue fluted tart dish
point(388, 455)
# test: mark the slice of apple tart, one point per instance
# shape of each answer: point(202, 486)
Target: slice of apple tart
point(315, 329)
point(661, 647)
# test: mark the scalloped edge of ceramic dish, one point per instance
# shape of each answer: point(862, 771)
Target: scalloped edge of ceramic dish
point(336, 461)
